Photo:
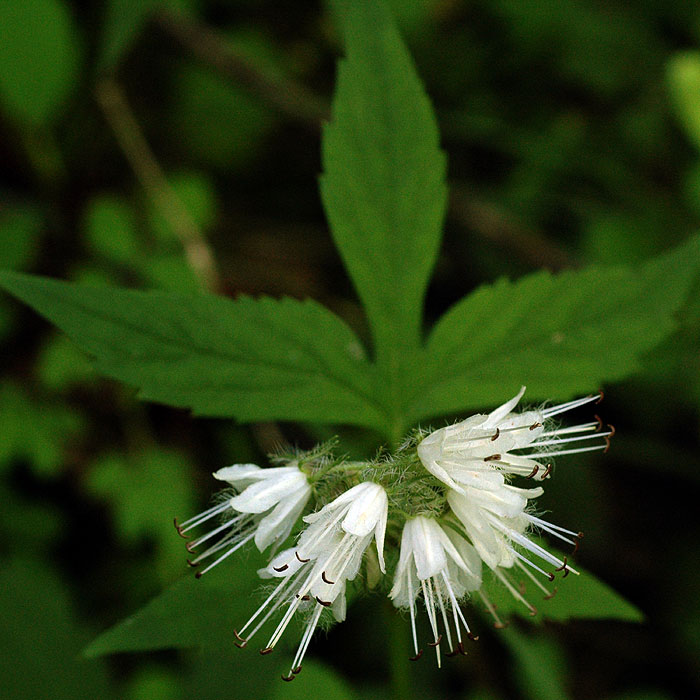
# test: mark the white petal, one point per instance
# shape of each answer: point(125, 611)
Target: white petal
point(238, 473)
point(498, 414)
point(367, 511)
point(428, 551)
point(264, 494)
point(277, 525)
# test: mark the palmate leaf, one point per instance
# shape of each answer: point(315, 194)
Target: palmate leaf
point(583, 596)
point(383, 182)
point(558, 334)
point(251, 359)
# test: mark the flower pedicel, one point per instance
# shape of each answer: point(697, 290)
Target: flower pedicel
point(447, 493)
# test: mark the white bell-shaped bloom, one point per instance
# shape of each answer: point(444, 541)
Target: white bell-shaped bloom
point(477, 452)
point(443, 567)
point(478, 456)
point(315, 572)
point(268, 503)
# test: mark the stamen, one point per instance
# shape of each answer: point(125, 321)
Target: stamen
point(501, 575)
point(236, 547)
point(568, 406)
point(326, 580)
point(565, 452)
point(412, 609)
point(203, 517)
point(498, 624)
point(563, 440)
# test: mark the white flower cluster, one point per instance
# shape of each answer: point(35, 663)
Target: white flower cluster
point(482, 520)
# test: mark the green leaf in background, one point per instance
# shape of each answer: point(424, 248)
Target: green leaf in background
point(683, 75)
point(111, 228)
point(308, 684)
point(582, 596)
point(20, 226)
point(40, 639)
point(132, 484)
point(383, 182)
point(123, 21)
point(35, 430)
point(558, 334)
point(39, 59)
point(540, 664)
point(249, 359)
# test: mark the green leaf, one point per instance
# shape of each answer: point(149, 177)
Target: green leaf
point(38, 59)
point(582, 596)
point(383, 182)
point(309, 682)
point(40, 639)
point(191, 612)
point(558, 334)
point(132, 485)
point(249, 359)
point(111, 228)
point(124, 20)
point(540, 664)
point(684, 85)
point(35, 430)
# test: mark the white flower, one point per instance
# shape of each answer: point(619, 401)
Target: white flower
point(269, 503)
point(444, 567)
point(478, 456)
point(314, 573)
point(477, 452)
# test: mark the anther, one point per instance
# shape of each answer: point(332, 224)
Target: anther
point(492, 458)
point(416, 657)
point(566, 572)
point(241, 645)
point(179, 530)
point(198, 574)
point(550, 576)
point(325, 603)
point(303, 561)
point(495, 437)
point(191, 563)
point(551, 595)
point(296, 670)
point(547, 472)
point(500, 625)
point(436, 642)
point(284, 567)
point(288, 678)
point(328, 581)
point(454, 652)
point(460, 649)
point(534, 426)
point(533, 611)
point(266, 650)
point(563, 566)
point(599, 420)
point(602, 396)
point(189, 547)
point(533, 473)
point(575, 549)
point(238, 636)
point(473, 637)
point(607, 444)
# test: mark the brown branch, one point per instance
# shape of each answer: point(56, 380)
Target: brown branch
point(284, 94)
point(152, 178)
point(500, 228)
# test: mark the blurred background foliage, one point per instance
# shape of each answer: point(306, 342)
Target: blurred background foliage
point(176, 145)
